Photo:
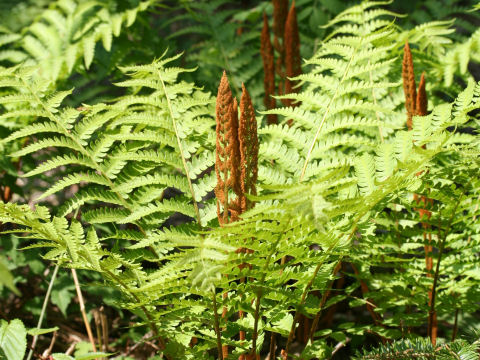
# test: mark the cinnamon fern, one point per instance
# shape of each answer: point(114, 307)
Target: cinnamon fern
point(339, 220)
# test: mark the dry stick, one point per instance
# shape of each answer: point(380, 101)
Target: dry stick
point(432, 312)
point(103, 318)
point(46, 353)
point(44, 309)
point(340, 345)
point(6, 194)
point(82, 309)
point(96, 319)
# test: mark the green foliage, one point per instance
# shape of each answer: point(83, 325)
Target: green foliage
point(123, 188)
point(423, 349)
point(13, 339)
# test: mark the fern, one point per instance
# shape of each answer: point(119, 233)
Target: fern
point(343, 193)
point(422, 349)
point(66, 32)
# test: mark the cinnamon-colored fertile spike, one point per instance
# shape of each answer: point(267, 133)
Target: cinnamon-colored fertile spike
point(227, 151)
point(409, 86)
point(248, 142)
point(293, 62)
point(266, 49)
point(280, 11)
point(421, 103)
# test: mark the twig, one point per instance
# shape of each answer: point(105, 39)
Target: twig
point(44, 309)
point(47, 352)
point(96, 318)
point(82, 309)
point(340, 345)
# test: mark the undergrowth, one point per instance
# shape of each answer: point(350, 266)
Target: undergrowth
point(312, 202)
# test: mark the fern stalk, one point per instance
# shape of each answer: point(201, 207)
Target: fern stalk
point(327, 111)
point(416, 103)
point(369, 304)
point(180, 147)
point(325, 296)
point(266, 50)
point(217, 326)
point(301, 303)
point(293, 62)
point(432, 330)
point(380, 131)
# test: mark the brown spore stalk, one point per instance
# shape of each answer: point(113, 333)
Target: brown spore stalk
point(280, 12)
point(266, 50)
point(293, 61)
point(227, 150)
point(409, 87)
point(421, 103)
point(248, 144)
